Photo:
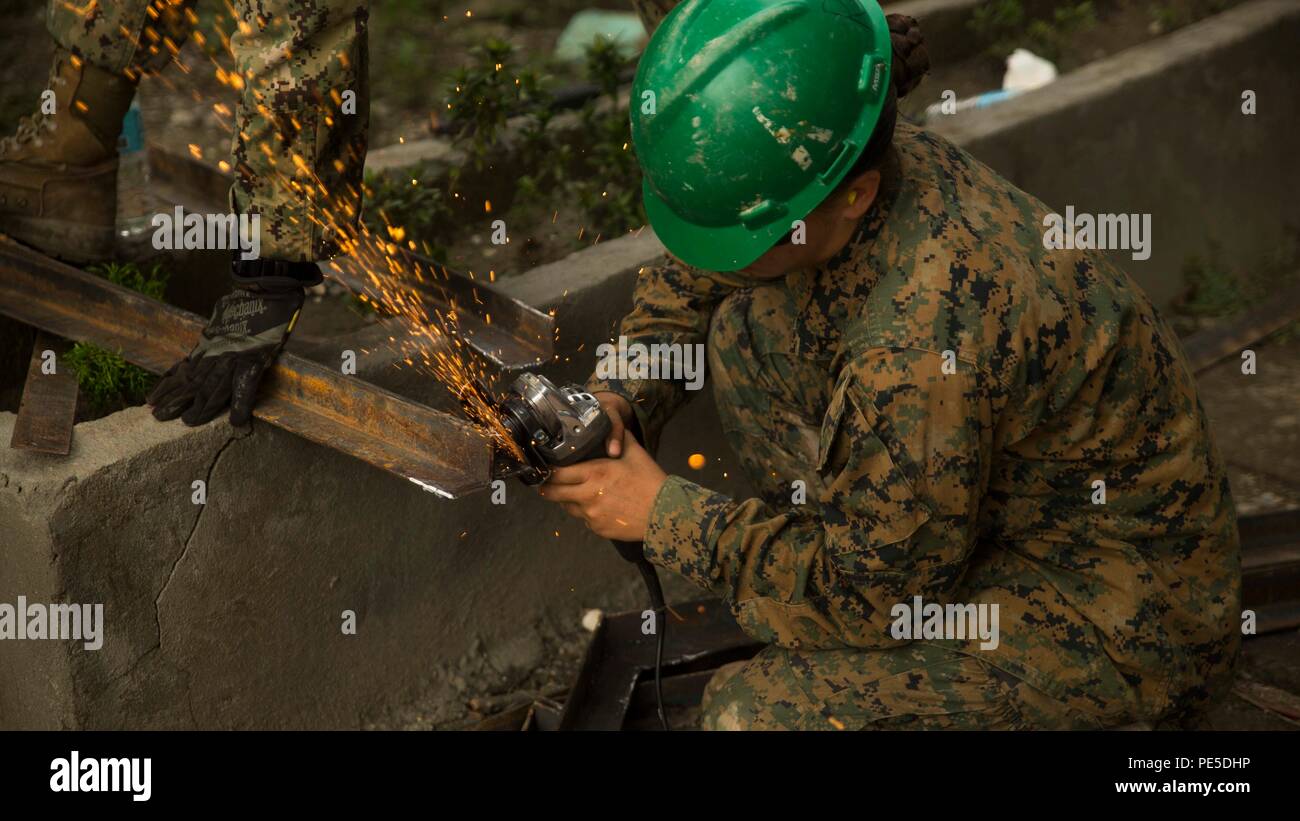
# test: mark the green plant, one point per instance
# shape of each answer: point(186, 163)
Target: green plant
point(598, 171)
point(997, 21)
point(546, 159)
point(1005, 25)
point(609, 186)
point(1212, 290)
point(485, 94)
point(152, 282)
point(406, 29)
point(407, 209)
point(1170, 16)
point(106, 379)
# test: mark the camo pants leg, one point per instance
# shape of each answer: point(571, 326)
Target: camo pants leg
point(914, 687)
point(129, 36)
point(304, 113)
point(302, 124)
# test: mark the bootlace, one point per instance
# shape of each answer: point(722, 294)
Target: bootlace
point(33, 127)
point(30, 129)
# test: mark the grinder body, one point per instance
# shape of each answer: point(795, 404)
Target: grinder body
point(557, 427)
point(553, 427)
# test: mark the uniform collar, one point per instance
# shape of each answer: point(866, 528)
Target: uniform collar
point(830, 295)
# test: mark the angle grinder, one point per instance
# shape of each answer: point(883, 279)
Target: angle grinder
point(560, 426)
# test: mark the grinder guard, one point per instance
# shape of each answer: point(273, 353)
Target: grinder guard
point(553, 427)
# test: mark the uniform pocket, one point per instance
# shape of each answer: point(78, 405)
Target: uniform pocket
point(867, 504)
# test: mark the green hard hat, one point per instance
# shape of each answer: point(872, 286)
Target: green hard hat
point(747, 113)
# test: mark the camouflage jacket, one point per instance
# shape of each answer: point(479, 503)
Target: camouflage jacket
point(973, 388)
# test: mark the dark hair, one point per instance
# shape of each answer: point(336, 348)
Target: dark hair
point(910, 64)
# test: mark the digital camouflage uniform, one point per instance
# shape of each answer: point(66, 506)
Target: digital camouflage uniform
point(970, 486)
point(294, 150)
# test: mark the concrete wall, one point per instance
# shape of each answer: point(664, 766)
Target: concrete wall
point(228, 615)
point(1158, 129)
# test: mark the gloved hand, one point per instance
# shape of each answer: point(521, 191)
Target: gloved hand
point(248, 328)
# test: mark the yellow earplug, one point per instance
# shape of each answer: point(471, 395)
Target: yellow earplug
point(853, 196)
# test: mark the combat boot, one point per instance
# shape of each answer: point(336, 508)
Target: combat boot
point(58, 171)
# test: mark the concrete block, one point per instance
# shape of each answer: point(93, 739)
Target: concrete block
point(230, 615)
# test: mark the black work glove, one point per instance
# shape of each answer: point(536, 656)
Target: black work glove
point(248, 328)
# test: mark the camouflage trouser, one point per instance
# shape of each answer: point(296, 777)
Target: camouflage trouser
point(915, 687)
point(300, 128)
point(770, 399)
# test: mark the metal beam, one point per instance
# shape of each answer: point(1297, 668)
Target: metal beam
point(435, 450)
point(48, 408)
point(510, 334)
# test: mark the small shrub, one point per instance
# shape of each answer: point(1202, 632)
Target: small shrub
point(1212, 290)
point(485, 94)
point(407, 206)
point(1004, 26)
point(1174, 15)
point(106, 380)
point(609, 187)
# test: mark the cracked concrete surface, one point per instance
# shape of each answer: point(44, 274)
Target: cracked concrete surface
point(229, 616)
point(198, 517)
point(99, 526)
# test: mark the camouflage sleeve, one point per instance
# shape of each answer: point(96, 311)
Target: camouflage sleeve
point(902, 466)
point(672, 304)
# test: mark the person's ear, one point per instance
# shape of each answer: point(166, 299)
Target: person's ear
point(858, 194)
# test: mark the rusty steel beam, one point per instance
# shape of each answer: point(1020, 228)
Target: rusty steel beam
point(507, 332)
point(435, 450)
point(48, 407)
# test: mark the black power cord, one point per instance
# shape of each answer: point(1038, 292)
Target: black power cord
point(634, 552)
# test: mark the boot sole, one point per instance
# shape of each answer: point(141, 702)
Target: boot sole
point(74, 242)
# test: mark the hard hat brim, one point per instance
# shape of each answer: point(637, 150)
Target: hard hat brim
point(725, 248)
point(719, 248)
